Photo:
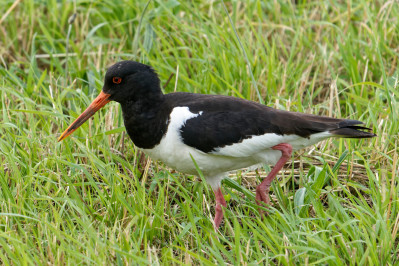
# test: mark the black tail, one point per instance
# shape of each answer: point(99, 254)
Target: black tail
point(349, 129)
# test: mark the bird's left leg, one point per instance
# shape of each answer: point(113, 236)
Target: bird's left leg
point(262, 191)
point(218, 209)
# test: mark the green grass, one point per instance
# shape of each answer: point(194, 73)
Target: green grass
point(87, 200)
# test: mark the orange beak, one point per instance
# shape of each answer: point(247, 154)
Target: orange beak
point(96, 105)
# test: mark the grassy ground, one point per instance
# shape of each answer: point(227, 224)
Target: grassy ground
point(88, 200)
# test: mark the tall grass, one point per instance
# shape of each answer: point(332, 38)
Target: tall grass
point(93, 199)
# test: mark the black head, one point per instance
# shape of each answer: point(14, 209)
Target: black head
point(127, 82)
point(131, 81)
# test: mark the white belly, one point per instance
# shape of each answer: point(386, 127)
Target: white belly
point(182, 157)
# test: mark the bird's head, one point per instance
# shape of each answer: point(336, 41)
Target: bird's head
point(125, 81)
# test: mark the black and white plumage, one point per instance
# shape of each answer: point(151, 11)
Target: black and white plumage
point(220, 133)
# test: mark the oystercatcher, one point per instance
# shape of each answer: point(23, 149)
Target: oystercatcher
point(219, 133)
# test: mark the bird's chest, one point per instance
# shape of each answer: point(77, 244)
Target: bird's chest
point(175, 154)
point(171, 149)
point(145, 130)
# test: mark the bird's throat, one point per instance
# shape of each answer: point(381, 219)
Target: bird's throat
point(145, 122)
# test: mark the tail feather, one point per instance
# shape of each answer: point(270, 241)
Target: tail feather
point(307, 124)
point(353, 131)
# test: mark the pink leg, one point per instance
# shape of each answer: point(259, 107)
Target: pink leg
point(262, 191)
point(218, 209)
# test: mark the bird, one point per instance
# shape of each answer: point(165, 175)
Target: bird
point(217, 133)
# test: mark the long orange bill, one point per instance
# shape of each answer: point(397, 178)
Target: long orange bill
point(98, 102)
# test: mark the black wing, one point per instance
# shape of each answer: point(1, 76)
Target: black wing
point(227, 120)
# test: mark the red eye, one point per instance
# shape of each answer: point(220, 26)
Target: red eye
point(116, 80)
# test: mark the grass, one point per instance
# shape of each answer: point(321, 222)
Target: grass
point(88, 200)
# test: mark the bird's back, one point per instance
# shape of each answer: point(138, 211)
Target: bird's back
point(223, 121)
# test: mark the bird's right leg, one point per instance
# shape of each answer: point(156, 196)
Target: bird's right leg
point(262, 191)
